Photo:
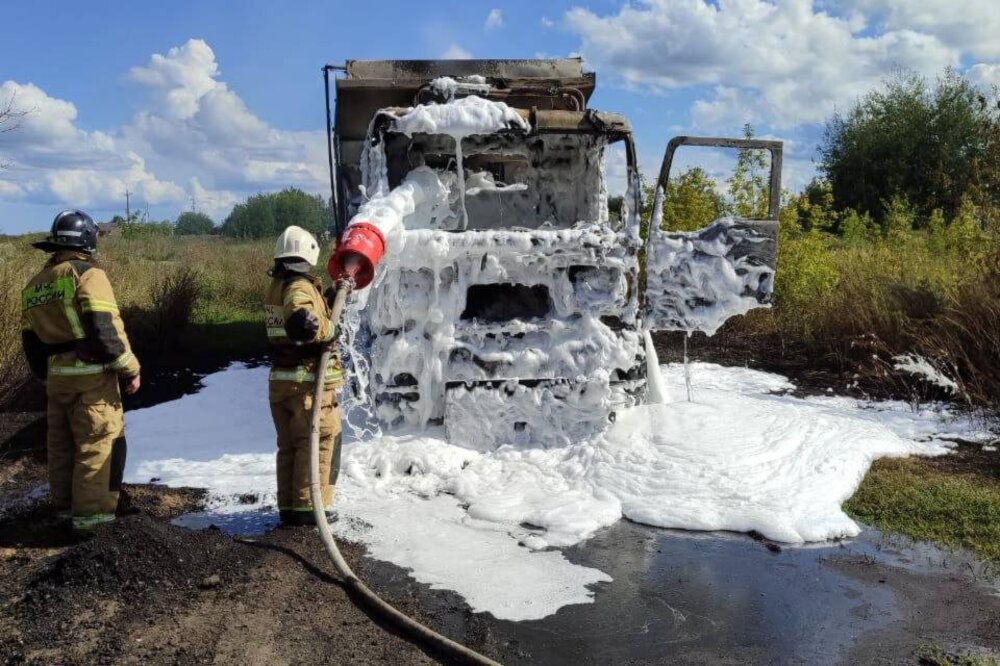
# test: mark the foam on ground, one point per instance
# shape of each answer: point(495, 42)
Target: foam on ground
point(743, 455)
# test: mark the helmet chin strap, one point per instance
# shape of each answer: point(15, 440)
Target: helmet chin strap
point(300, 266)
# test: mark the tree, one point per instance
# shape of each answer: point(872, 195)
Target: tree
point(692, 201)
point(928, 145)
point(812, 209)
point(191, 223)
point(263, 215)
point(10, 120)
point(749, 186)
point(616, 205)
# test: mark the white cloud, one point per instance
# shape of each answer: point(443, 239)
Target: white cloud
point(191, 129)
point(53, 161)
point(183, 76)
point(786, 63)
point(85, 187)
point(985, 75)
point(456, 52)
point(616, 170)
point(11, 190)
point(194, 119)
point(214, 203)
point(494, 20)
point(547, 22)
point(971, 26)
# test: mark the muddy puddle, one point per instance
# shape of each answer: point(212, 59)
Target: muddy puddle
point(715, 598)
point(244, 523)
point(680, 597)
point(687, 597)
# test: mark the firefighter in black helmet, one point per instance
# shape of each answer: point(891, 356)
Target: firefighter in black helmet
point(75, 342)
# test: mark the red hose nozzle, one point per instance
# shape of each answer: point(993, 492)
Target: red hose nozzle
point(359, 251)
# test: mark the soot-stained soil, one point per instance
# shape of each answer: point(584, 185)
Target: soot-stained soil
point(869, 374)
point(143, 591)
point(946, 611)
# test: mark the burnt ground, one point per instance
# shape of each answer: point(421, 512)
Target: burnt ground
point(146, 591)
point(868, 375)
point(947, 611)
point(143, 591)
point(967, 458)
point(810, 374)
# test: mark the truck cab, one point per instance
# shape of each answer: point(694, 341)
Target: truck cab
point(510, 309)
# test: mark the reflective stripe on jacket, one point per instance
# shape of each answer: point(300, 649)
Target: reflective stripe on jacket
point(298, 324)
point(70, 322)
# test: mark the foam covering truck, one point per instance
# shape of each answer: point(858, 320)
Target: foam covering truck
point(511, 304)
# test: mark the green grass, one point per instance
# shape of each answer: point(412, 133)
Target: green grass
point(934, 655)
point(225, 319)
point(952, 504)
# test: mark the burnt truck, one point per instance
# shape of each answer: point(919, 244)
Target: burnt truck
point(513, 305)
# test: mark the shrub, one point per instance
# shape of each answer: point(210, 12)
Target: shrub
point(965, 337)
point(193, 224)
point(164, 285)
point(172, 299)
point(691, 203)
point(133, 230)
point(857, 229)
point(931, 145)
point(266, 215)
point(14, 273)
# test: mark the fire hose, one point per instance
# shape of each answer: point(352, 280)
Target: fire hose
point(418, 632)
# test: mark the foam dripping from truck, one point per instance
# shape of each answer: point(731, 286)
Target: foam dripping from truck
point(682, 268)
point(407, 216)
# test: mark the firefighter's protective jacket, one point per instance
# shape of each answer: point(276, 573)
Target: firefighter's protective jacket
point(298, 325)
point(71, 328)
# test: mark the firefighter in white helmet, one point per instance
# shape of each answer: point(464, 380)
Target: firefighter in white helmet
point(298, 327)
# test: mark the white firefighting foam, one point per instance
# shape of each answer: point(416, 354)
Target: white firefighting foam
point(564, 346)
point(694, 283)
point(919, 367)
point(416, 302)
point(740, 457)
point(449, 508)
point(424, 346)
point(448, 87)
point(459, 119)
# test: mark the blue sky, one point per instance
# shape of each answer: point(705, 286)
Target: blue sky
point(212, 101)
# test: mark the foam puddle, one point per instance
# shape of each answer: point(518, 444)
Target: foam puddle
point(739, 457)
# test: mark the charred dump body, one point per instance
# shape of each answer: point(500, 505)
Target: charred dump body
point(511, 313)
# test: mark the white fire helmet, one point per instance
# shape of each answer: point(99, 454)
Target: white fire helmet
point(297, 242)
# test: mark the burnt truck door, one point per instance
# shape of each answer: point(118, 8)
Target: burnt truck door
point(696, 280)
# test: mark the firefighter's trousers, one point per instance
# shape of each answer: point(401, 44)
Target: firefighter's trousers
point(86, 448)
point(291, 408)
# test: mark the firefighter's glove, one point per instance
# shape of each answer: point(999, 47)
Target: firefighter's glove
point(302, 326)
point(329, 295)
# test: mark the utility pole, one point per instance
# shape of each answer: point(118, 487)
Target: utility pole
point(128, 210)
